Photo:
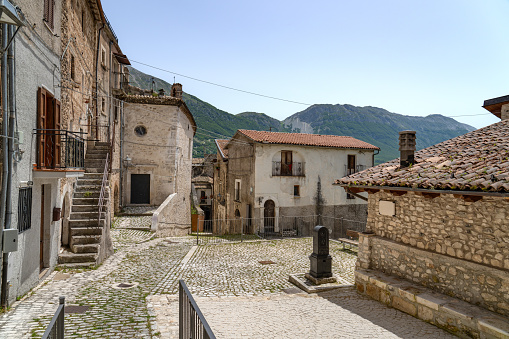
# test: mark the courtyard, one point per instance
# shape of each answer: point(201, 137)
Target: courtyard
point(242, 289)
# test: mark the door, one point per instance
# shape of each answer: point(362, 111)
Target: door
point(140, 188)
point(286, 162)
point(269, 214)
point(351, 164)
point(41, 240)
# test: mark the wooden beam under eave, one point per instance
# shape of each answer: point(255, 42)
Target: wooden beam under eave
point(429, 195)
point(397, 193)
point(354, 189)
point(468, 198)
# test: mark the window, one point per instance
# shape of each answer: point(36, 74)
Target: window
point(24, 209)
point(140, 130)
point(286, 162)
point(116, 113)
point(103, 56)
point(48, 13)
point(296, 191)
point(351, 164)
point(237, 189)
point(103, 105)
point(203, 198)
point(73, 68)
point(83, 21)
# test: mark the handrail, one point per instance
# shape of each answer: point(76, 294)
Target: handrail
point(55, 328)
point(103, 187)
point(192, 323)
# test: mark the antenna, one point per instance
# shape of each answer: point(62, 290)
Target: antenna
point(173, 79)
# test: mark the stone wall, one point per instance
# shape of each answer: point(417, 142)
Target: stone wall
point(164, 221)
point(450, 245)
point(474, 231)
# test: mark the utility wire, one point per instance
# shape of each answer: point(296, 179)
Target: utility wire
point(218, 85)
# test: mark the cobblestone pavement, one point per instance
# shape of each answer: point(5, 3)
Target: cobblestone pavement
point(230, 272)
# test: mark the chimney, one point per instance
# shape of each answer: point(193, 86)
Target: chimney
point(161, 92)
point(406, 148)
point(176, 91)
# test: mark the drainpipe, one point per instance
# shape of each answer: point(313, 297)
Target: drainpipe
point(121, 188)
point(8, 203)
point(5, 171)
point(97, 83)
point(109, 97)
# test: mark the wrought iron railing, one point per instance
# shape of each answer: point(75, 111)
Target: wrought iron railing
point(192, 323)
point(60, 149)
point(103, 187)
point(295, 169)
point(55, 329)
point(350, 170)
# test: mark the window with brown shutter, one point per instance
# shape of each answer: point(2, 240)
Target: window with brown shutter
point(48, 130)
point(49, 5)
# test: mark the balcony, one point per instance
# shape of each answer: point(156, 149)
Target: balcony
point(60, 154)
point(294, 169)
point(350, 171)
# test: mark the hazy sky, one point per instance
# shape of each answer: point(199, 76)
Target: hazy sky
point(409, 57)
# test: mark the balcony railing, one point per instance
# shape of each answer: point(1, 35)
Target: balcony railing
point(358, 168)
point(60, 149)
point(294, 169)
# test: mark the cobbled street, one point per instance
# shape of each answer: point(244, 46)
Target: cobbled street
point(239, 296)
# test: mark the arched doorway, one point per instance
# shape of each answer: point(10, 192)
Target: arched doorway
point(65, 234)
point(269, 216)
point(237, 223)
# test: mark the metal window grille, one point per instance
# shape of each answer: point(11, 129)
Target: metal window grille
point(24, 209)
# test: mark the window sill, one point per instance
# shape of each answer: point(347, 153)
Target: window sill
point(48, 27)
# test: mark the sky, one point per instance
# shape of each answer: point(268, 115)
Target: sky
point(416, 57)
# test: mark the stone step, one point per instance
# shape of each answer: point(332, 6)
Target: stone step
point(83, 223)
point(94, 170)
point(86, 201)
point(82, 231)
point(77, 265)
point(95, 156)
point(89, 194)
point(90, 182)
point(84, 208)
point(88, 187)
point(102, 143)
point(89, 215)
point(87, 176)
point(85, 248)
point(85, 239)
point(94, 163)
point(67, 258)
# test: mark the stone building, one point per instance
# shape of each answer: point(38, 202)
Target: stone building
point(437, 240)
point(272, 180)
point(203, 181)
point(55, 179)
point(157, 145)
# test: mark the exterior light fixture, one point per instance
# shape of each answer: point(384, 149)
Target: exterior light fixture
point(8, 14)
point(127, 161)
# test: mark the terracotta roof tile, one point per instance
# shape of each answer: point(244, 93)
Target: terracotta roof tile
point(476, 161)
point(306, 139)
point(221, 143)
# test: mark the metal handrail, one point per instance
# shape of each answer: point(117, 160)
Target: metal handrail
point(295, 169)
point(58, 149)
point(192, 323)
point(103, 187)
point(55, 329)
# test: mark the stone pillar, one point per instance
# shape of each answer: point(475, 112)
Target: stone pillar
point(364, 255)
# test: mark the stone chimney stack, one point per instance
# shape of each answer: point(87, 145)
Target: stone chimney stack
point(406, 148)
point(176, 91)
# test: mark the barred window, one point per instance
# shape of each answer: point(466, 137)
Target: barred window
point(48, 12)
point(24, 209)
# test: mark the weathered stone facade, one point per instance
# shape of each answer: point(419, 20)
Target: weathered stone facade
point(450, 245)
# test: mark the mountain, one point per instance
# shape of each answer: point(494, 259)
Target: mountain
point(371, 124)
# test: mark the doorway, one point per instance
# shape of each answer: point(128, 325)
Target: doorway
point(269, 216)
point(140, 188)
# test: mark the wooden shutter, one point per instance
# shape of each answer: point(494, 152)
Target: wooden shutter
point(56, 119)
point(41, 125)
point(50, 17)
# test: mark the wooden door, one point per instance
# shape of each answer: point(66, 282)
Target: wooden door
point(140, 188)
point(41, 126)
point(269, 214)
point(351, 164)
point(57, 136)
point(286, 162)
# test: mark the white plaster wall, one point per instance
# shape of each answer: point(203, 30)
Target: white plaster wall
point(328, 163)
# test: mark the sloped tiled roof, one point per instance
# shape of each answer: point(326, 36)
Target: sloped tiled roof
point(221, 143)
point(476, 161)
point(306, 139)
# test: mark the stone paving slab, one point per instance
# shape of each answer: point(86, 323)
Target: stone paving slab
point(334, 314)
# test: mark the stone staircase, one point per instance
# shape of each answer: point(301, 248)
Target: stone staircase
point(87, 234)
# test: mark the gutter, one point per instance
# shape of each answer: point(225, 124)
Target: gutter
point(424, 190)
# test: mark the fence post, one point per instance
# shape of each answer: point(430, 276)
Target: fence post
point(197, 231)
point(342, 232)
point(60, 322)
point(241, 229)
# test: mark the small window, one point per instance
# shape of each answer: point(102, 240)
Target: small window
point(103, 105)
point(103, 56)
point(116, 113)
point(73, 68)
point(296, 191)
point(83, 21)
point(237, 189)
point(140, 130)
point(24, 209)
point(49, 5)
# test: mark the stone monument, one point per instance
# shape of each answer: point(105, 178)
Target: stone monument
point(321, 262)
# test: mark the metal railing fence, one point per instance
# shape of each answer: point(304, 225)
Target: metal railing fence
point(103, 187)
point(59, 149)
point(55, 329)
point(243, 229)
point(295, 169)
point(192, 323)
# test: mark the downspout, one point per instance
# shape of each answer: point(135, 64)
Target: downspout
point(8, 204)
point(110, 101)
point(121, 190)
point(97, 83)
point(5, 170)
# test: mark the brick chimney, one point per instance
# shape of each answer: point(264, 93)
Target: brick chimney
point(176, 90)
point(406, 148)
